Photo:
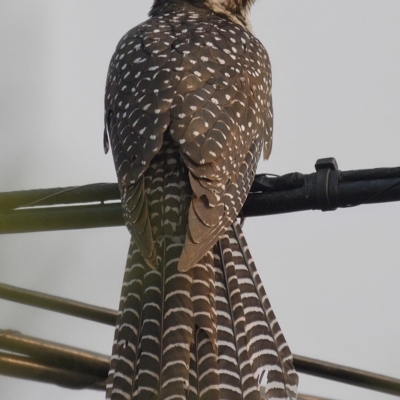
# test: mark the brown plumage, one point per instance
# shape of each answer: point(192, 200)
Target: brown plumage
point(188, 112)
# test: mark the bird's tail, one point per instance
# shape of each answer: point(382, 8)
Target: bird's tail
point(208, 333)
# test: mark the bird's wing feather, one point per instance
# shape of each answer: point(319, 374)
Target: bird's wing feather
point(209, 89)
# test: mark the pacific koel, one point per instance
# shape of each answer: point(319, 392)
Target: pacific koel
point(188, 112)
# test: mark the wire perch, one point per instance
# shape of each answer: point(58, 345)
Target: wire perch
point(97, 205)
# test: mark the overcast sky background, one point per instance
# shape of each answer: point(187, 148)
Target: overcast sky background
point(333, 278)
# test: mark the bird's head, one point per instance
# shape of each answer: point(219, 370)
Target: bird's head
point(236, 10)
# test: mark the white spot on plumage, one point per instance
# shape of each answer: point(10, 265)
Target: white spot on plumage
point(146, 107)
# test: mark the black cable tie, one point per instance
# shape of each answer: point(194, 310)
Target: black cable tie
point(327, 183)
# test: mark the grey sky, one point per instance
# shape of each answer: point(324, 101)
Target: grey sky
point(333, 278)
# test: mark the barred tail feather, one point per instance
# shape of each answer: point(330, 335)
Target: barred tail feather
point(205, 334)
point(127, 333)
point(237, 381)
point(267, 349)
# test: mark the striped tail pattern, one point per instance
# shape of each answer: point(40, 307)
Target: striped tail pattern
point(205, 334)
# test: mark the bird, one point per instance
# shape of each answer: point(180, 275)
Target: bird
point(188, 112)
